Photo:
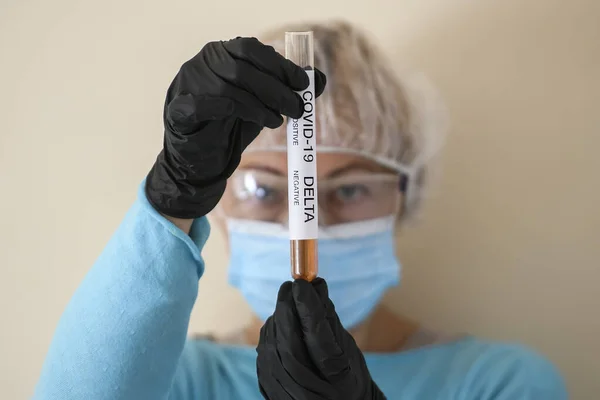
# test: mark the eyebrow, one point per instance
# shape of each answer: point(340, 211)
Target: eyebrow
point(356, 166)
point(352, 167)
point(265, 168)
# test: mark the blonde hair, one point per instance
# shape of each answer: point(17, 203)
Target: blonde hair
point(366, 109)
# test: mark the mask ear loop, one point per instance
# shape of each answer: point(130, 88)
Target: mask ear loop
point(407, 188)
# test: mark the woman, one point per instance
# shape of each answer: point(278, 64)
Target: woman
point(123, 335)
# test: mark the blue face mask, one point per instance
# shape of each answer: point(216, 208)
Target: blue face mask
point(357, 260)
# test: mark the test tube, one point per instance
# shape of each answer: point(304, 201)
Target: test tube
point(302, 165)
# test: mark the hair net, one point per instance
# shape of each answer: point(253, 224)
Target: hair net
point(366, 109)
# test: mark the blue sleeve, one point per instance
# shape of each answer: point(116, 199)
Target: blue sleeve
point(514, 372)
point(124, 330)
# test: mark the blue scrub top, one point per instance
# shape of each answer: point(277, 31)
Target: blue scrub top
point(124, 336)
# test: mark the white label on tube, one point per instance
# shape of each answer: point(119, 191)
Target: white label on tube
point(302, 168)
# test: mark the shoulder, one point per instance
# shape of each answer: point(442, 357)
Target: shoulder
point(200, 354)
point(208, 369)
point(510, 371)
point(193, 377)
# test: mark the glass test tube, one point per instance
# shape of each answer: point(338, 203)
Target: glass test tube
point(302, 165)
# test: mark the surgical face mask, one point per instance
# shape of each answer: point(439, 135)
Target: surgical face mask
point(357, 260)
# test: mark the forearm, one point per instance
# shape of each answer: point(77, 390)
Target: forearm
point(123, 331)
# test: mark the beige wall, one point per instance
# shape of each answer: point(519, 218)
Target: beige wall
point(509, 246)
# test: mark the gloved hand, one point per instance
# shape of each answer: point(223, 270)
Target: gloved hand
point(305, 353)
point(215, 107)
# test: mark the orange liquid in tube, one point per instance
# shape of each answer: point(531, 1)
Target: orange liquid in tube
point(302, 166)
point(304, 259)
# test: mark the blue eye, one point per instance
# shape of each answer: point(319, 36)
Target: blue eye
point(351, 193)
point(265, 193)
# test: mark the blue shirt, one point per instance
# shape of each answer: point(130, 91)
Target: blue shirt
point(123, 336)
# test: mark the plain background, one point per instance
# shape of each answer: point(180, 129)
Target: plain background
point(509, 243)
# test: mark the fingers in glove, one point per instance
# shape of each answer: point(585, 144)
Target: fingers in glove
point(249, 131)
point(273, 389)
point(266, 59)
point(278, 382)
point(268, 385)
point(322, 291)
point(187, 113)
point(320, 340)
point(320, 82)
point(291, 347)
point(220, 153)
point(320, 286)
point(269, 90)
point(281, 385)
point(267, 361)
point(362, 378)
point(186, 116)
point(256, 112)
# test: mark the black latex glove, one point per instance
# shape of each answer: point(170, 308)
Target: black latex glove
point(304, 352)
point(215, 107)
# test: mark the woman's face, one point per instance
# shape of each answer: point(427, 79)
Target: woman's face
point(351, 188)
